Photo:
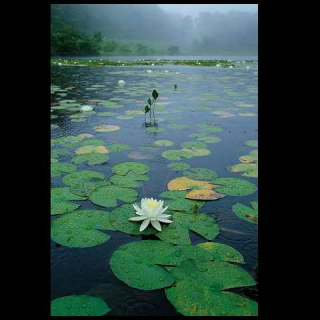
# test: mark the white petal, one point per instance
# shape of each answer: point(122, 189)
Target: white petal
point(163, 216)
point(163, 210)
point(138, 210)
point(144, 224)
point(164, 220)
point(156, 224)
point(137, 218)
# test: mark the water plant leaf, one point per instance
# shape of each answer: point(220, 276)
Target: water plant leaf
point(209, 127)
point(249, 169)
point(234, 186)
point(201, 174)
point(154, 129)
point(91, 149)
point(219, 251)
point(81, 305)
point(61, 207)
point(56, 153)
point(155, 94)
point(125, 167)
point(177, 202)
point(252, 143)
point(77, 177)
point(79, 229)
point(165, 143)
point(176, 154)
point(64, 194)
point(59, 168)
point(193, 145)
point(177, 126)
point(246, 213)
point(130, 180)
point(197, 300)
point(107, 196)
point(181, 166)
point(184, 183)
point(106, 128)
point(118, 147)
point(204, 194)
point(91, 142)
point(107, 114)
point(91, 158)
point(197, 152)
point(177, 232)
point(84, 188)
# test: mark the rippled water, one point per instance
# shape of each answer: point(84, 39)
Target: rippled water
point(81, 271)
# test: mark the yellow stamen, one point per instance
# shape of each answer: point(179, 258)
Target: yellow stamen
point(152, 204)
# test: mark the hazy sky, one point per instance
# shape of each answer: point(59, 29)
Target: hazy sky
point(194, 9)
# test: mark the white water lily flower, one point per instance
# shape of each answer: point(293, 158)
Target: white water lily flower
point(151, 211)
point(149, 71)
point(86, 108)
point(121, 82)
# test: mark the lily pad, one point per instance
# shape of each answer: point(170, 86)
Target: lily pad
point(130, 180)
point(165, 143)
point(106, 128)
point(125, 167)
point(74, 178)
point(201, 174)
point(107, 196)
point(197, 300)
point(91, 142)
point(219, 251)
point(56, 153)
point(204, 194)
point(91, 149)
point(81, 305)
point(209, 127)
point(252, 143)
point(249, 169)
point(235, 187)
point(194, 145)
point(84, 188)
point(154, 129)
point(118, 147)
point(91, 158)
point(79, 229)
point(176, 154)
point(177, 126)
point(59, 168)
point(246, 213)
point(181, 166)
point(107, 114)
point(184, 183)
point(64, 194)
point(178, 231)
point(61, 207)
point(197, 152)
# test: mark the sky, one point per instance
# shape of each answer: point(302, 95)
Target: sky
point(194, 9)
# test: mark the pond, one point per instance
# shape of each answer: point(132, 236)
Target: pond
point(211, 115)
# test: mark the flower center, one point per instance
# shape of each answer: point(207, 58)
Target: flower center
point(152, 204)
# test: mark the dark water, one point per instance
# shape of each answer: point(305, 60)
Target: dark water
point(81, 271)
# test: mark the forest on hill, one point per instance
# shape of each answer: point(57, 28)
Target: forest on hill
point(145, 29)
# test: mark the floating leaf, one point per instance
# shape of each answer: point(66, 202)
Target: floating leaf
point(166, 143)
point(235, 187)
point(91, 158)
point(198, 300)
point(79, 229)
point(91, 149)
point(204, 194)
point(201, 174)
point(58, 168)
point(84, 188)
point(118, 147)
point(91, 142)
point(197, 152)
point(56, 153)
point(251, 169)
point(125, 167)
point(247, 114)
point(246, 213)
point(64, 194)
point(177, 126)
point(107, 114)
point(178, 166)
point(130, 180)
point(184, 183)
point(106, 128)
point(177, 201)
point(61, 207)
point(252, 143)
point(178, 231)
point(81, 305)
point(194, 145)
point(77, 177)
point(219, 251)
point(176, 154)
point(107, 196)
point(154, 129)
point(209, 127)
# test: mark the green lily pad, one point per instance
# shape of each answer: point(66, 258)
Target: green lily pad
point(194, 152)
point(234, 186)
point(91, 142)
point(64, 194)
point(177, 201)
point(106, 128)
point(181, 166)
point(77, 177)
point(130, 180)
point(59, 168)
point(210, 139)
point(246, 213)
point(119, 218)
point(194, 145)
point(78, 120)
point(219, 251)
point(118, 147)
point(176, 154)
point(198, 300)
point(91, 158)
point(209, 127)
point(201, 174)
point(84, 188)
point(107, 196)
point(125, 167)
point(177, 126)
point(56, 153)
point(178, 231)
point(154, 129)
point(107, 114)
point(249, 169)
point(252, 143)
point(79, 229)
point(165, 143)
point(81, 305)
point(61, 207)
